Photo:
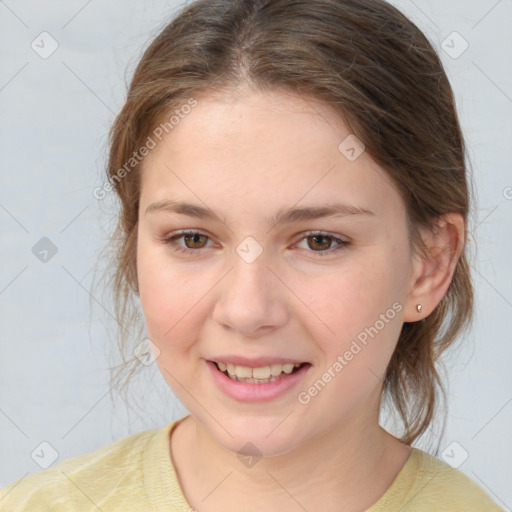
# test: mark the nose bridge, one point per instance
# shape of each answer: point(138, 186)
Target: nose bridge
point(250, 276)
point(251, 296)
point(251, 279)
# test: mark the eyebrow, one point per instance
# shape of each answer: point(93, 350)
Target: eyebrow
point(285, 216)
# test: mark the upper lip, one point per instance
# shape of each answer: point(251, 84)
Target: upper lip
point(256, 362)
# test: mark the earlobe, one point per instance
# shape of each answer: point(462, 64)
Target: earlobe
point(434, 268)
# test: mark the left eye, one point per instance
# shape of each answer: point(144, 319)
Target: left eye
point(319, 242)
point(322, 242)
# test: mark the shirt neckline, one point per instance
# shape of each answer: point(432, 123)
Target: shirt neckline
point(159, 475)
point(396, 494)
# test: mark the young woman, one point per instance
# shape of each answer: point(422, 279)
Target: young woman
point(293, 221)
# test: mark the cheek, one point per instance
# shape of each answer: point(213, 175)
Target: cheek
point(357, 309)
point(360, 312)
point(170, 298)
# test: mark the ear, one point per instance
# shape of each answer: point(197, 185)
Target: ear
point(433, 271)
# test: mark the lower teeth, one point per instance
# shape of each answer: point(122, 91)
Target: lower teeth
point(253, 381)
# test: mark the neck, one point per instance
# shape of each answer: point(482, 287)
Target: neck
point(356, 472)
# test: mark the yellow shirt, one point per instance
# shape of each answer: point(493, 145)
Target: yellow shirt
point(135, 474)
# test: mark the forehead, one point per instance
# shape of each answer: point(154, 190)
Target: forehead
point(261, 150)
point(251, 124)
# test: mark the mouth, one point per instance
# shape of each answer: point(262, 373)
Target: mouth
point(258, 375)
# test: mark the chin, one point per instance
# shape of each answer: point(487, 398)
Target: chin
point(256, 436)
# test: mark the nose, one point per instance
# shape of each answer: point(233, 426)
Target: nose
point(252, 299)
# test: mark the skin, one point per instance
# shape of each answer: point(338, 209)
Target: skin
point(247, 156)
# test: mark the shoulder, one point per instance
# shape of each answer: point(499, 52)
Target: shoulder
point(436, 482)
point(84, 481)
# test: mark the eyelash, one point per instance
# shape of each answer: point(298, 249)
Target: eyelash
point(171, 241)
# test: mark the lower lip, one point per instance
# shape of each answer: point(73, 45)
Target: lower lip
point(245, 392)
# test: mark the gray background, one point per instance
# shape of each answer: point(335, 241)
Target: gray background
point(54, 116)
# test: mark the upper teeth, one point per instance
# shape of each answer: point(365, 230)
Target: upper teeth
point(263, 372)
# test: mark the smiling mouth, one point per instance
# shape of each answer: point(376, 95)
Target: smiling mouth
point(261, 375)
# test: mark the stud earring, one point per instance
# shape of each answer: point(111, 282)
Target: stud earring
point(419, 308)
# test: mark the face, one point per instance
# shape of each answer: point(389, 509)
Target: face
point(266, 277)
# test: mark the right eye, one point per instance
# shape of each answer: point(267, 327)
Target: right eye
point(193, 241)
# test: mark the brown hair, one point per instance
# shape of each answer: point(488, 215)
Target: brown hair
point(378, 70)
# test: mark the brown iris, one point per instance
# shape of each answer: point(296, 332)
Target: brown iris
point(195, 239)
point(327, 240)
